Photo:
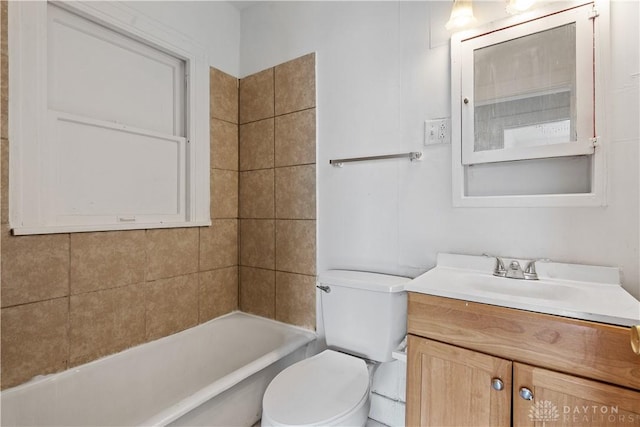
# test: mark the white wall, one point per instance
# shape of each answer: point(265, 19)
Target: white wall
point(382, 69)
point(214, 25)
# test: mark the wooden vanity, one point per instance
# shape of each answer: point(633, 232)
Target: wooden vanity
point(474, 364)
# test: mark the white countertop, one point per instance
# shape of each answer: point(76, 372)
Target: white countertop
point(578, 291)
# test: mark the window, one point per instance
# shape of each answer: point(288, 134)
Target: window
point(524, 102)
point(107, 131)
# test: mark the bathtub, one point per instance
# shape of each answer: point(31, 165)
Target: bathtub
point(212, 374)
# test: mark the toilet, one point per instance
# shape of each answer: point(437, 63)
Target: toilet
point(364, 317)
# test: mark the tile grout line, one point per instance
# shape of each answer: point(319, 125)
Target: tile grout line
point(275, 207)
point(68, 365)
point(211, 118)
point(288, 113)
point(144, 282)
point(238, 302)
point(198, 275)
point(239, 220)
point(276, 167)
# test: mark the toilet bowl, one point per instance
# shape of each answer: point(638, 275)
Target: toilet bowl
point(328, 389)
point(364, 317)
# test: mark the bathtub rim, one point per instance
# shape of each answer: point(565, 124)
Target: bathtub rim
point(200, 396)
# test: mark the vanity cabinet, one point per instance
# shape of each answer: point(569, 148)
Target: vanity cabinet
point(472, 364)
point(452, 386)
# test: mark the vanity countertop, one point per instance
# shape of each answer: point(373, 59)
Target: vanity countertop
point(577, 291)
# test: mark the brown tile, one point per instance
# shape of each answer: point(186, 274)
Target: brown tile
point(105, 322)
point(256, 96)
point(4, 108)
point(34, 268)
point(257, 243)
point(257, 194)
point(218, 293)
point(4, 117)
point(224, 145)
point(4, 72)
point(224, 194)
point(171, 252)
point(295, 87)
point(296, 299)
point(256, 145)
point(296, 192)
point(107, 260)
point(4, 8)
point(4, 182)
point(296, 246)
point(4, 120)
point(4, 99)
point(223, 96)
point(219, 244)
point(258, 291)
point(4, 12)
point(295, 142)
point(171, 305)
point(34, 340)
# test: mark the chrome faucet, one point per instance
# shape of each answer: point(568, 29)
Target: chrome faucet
point(515, 271)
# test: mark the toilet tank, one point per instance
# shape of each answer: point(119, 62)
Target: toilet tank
point(364, 314)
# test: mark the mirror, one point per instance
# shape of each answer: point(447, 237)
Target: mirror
point(524, 90)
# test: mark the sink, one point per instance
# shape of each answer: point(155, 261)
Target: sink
point(534, 289)
point(570, 290)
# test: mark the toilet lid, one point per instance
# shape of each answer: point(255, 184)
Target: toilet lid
point(317, 390)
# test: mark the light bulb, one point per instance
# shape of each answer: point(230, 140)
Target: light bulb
point(461, 14)
point(518, 6)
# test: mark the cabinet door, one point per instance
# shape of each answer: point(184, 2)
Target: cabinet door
point(563, 400)
point(451, 386)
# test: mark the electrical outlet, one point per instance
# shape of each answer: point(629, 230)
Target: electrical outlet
point(437, 131)
point(442, 130)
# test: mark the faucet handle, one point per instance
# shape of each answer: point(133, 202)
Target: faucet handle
point(499, 270)
point(530, 271)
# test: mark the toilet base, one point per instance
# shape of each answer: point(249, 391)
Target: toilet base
point(356, 418)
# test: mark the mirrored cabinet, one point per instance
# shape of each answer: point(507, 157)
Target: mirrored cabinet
point(525, 110)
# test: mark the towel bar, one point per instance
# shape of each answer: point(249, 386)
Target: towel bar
point(413, 155)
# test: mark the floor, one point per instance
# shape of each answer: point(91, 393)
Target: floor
point(374, 423)
point(370, 423)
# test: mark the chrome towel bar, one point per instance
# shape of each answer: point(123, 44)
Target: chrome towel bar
point(413, 155)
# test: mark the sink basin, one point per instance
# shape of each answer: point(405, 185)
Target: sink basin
point(534, 289)
point(570, 290)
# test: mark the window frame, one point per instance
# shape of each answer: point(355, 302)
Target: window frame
point(30, 209)
point(589, 144)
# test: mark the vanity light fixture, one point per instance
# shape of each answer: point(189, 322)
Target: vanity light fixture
point(461, 15)
point(518, 6)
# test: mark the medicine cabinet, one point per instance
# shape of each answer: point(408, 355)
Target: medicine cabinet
point(525, 110)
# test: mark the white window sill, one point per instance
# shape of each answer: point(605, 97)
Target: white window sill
point(23, 231)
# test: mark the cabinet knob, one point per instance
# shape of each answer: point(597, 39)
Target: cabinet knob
point(466, 100)
point(635, 339)
point(497, 384)
point(525, 393)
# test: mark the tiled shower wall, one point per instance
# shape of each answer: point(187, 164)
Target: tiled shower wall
point(278, 192)
point(67, 299)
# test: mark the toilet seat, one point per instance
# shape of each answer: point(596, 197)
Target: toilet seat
point(321, 390)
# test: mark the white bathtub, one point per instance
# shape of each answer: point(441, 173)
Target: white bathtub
point(212, 374)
